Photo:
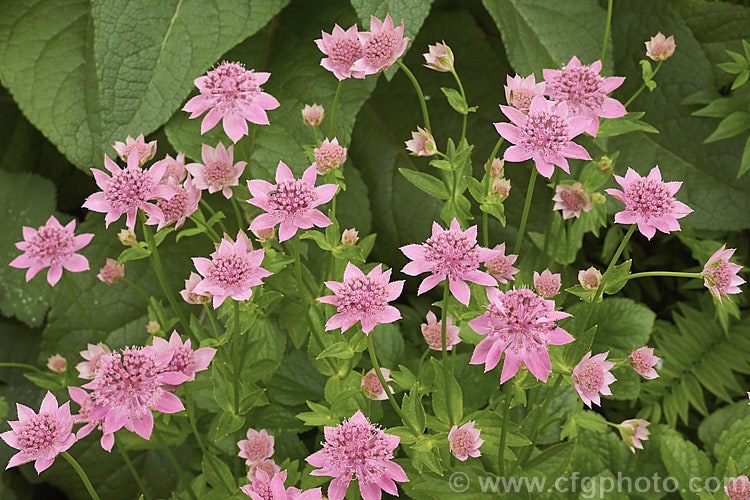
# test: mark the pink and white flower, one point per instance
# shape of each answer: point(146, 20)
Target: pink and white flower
point(738, 488)
point(660, 48)
point(92, 355)
point(313, 115)
point(501, 266)
point(422, 143)
point(349, 237)
point(257, 447)
point(329, 155)
point(266, 465)
point(643, 362)
point(218, 171)
point(547, 284)
point(592, 376)
point(720, 275)
point(265, 487)
point(184, 360)
point(86, 403)
point(343, 49)
point(111, 273)
point(135, 152)
point(571, 199)
point(179, 207)
point(465, 441)
point(174, 168)
point(439, 57)
point(633, 432)
point(381, 46)
point(372, 387)
point(519, 92)
point(433, 334)
point(57, 363)
point(189, 295)
point(590, 278)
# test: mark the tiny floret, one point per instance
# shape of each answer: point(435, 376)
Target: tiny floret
point(313, 115)
point(92, 355)
point(329, 155)
point(547, 284)
point(57, 363)
point(381, 46)
point(422, 143)
point(519, 92)
point(257, 447)
point(218, 171)
point(501, 266)
point(135, 152)
point(189, 295)
point(592, 376)
point(433, 334)
point(571, 199)
point(643, 362)
point(465, 441)
point(343, 49)
point(184, 360)
point(372, 387)
point(439, 57)
point(111, 273)
point(720, 275)
point(349, 237)
point(179, 207)
point(633, 432)
point(660, 48)
point(590, 278)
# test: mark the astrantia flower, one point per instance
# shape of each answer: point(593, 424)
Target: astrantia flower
point(343, 49)
point(660, 48)
point(363, 298)
point(174, 168)
point(643, 361)
point(232, 271)
point(500, 187)
point(585, 91)
point(111, 273)
point(450, 254)
point(720, 276)
point(358, 449)
point(495, 167)
point(218, 171)
point(381, 46)
point(544, 134)
point(179, 207)
point(329, 155)
point(372, 387)
point(189, 295)
point(135, 152)
point(649, 202)
point(422, 143)
point(433, 334)
point(265, 487)
point(257, 447)
point(592, 376)
point(83, 416)
point(521, 324)
point(57, 363)
point(738, 488)
point(465, 441)
point(53, 246)
point(519, 92)
point(501, 266)
point(571, 199)
point(547, 284)
point(633, 432)
point(92, 355)
point(264, 235)
point(232, 94)
point(349, 237)
point(184, 359)
point(439, 57)
point(267, 465)
point(590, 278)
point(127, 191)
point(290, 203)
point(313, 115)
point(40, 437)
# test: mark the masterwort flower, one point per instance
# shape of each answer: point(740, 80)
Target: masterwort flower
point(174, 168)
point(179, 207)
point(660, 48)
point(271, 487)
point(329, 155)
point(592, 376)
point(720, 275)
point(590, 278)
point(381, 46)
point(519, 92)
point(313, 115)
point(218, 171)
point(633, 432)
point(86, 403)
point(433, 334)
point(372, 387)
point(343, 49)
point(57, 363)
point(184, 360)
point(572, 199)
point(547, 284)
point(189, 295)
point(465, 441)
point(439, 57)
point(738, 488)
point(422, 143)
point(349, 237)
point(257, 447)
point(92, 355)
point(111, 273)
point(266, 465)
point(643, 362)
point(501, 266)
point(135, 152)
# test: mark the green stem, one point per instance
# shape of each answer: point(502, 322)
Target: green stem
point(175, 464)
point(386, 387)
point(487, 187)
point(504, 429)
point(235, 366)
point(606, 31)
point(137, 289)
point(540, 416)
point(420, 94)
point(132, 470)
point(211, 211)
point(237, 213)
point(206, 230)
point(673, 274)
point(444, 342)
point(21, 365)
point(463, 94)
point(210, 315)
point(298, 265)
point(74, 297)
point(191, 421)
point(526, 207)
point(82, 474)
point(315, 134)
point(332, 126)
point(643, 86)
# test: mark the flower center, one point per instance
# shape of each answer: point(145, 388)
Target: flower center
point(573, 200)
point(218, 173)
point(581, 88)
point(499, 266)
point(380, 47)
point(130, 187)
point(330, 156)
point(361, 295)
point(229, 271)
point(357, 448)
point(344, 51)
point(639, 362)
point(175, 207)
point(182, 360)
point(372, 384)
point(521, 99)
point(722, 275)
point(521, 318)
point(38, 433)
point(50, 244)
point(229, 86)
point(649, 197)
point(544, 131)
point(289, 198)
point(547, 286)
point(451, 253)
point(140, 150)
point(462, 442)
point(256, 448)
point(433, 335)
point(127, 378)
point(591, 377)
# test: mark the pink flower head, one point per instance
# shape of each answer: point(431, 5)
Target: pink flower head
point(265, 487)
point(349, 237)
point(496, 168)
point(439, 57)
point(40, 437)
point(57, 363)
point(179, 207)
point(590, 278)
point(519, 92)
point(501, 187)
point(465, 441)
point(649, 202)
point(660, 48)
point(643, 361)
point(363, 298)
point(128, 384)
point(111, 273)
point(356, 448)
point(633, 432)
point(433, 334)
point(86, 403)
point(257, 447)
point(585, 91)
point(218, 171)
point(592, 376)
point(571, 199)
point(135, 152)
point(184, 359)
point(126, 191)
point(232, 271)
point(189, 295)
point(501, 266)
point(547, 284)
point(329, 156)
point(372, 387)
point(234, 95)
point(521, 324)
point(422, 143)
point(92, 355)
point(381, 46)
point(720, 276)
point(174, 168)
point(290, 202)
point(343, 49)
point(52, 245)
point(738, 488)
point(544, 134)
point(313, 115)
point(267, 465)
point(450, 254)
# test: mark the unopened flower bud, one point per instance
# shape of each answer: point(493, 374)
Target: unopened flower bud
point(598, 198)
point(501, 188)
point(57, 363)
point(153, 327)
point(313, 115)
point(495, 167)
point(349, 237)
point(422, 143)
point(111, 273)
point(590, 278)
point(264, 235)
point(127, 237)
point(605, 164)
point(660, 48)
point(440, 57)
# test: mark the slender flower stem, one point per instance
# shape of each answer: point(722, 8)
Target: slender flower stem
point(82, 474)
point(315, 134)
point(175, 464)
point(332, 126)
point(237, 213)
point(386, 387)
point(674, 274)
point(137, 289)
point(463, 94)
point(606, 31)
point(191, 421)
point(131, 468)
point(420, 94)
point(444, 343)
point(487, 186)
point(211, 211)
point(235, 365)
point(643, 86)
point(211, 318)
point(526, 207)
point(74, 297)
point(504, 430)
point(206, 230)
point(298, 266)
point(538, 422)
point(21, 365)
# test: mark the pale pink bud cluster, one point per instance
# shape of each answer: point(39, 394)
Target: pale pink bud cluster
point(660, 48)
point(633, 432)
point(590, 278)
point(433, 334)
point(57, 363)
point(349, 237)
point(439, 57)
point(465, 441)
point(313, 115)
point(422, 143)
point(643, 362)
point(592, 376)
point(329, 155)
point(111, 273)
point(501, 187)
point(135, 152)
point(547, 284)
point(373, 388)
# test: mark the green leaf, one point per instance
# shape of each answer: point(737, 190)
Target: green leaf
point(217, 473)
point(427, 183)
point(732, 125)
point(339, 350)
point(413, 410)
point(227, 424)
point(720, 420)
point(136, 252)
point(617, 277)
point(447, 399)
point(683, 459)
point(554, 460)
point(456, 100)
point(719, 107)
point(578, 348)
point(610, 127)
point(745, 163)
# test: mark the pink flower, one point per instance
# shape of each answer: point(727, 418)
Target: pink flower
point(290, 202)
point(40, 437)
point(521, 324)
point(544, 134)
point(343, 49)
point(584, 91)
point(381, 46)
point(363, 298)
point(660, 48)
point(496, 167)
point(174, 168)
point(356, 448)
point(720, 276)
point(465, 441)
point(501, 187)
point(590, 278)
point(257, 447)
point(643, 361)
point(372, 387)
point(571, 199)
point(263, 235)
point(422, 143)
point(268, 466)
point(501, 266)
point(92, 355)
point(265, 487)
point(178, 208)
point(53, 246)
point(450, 254)
point(127, 191)
point(633, 432)
point(433, 334)
point(128, 384)
point(218, 171)
point(189, 295)
point(349, 237)
point(86, 403)
point(738, 488)
point(57, 364)
point(233, 270)
point(184, 360)
point(233, 95)
point(329, 156)
point(591, 376)
point(547, 284)
point(439, 57)
point(135, 152)
point(111, 273)
point(649, 202)
point(519, 92)
point(313, 115)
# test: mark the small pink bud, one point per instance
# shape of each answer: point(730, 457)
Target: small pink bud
point(153, 327)
point(126, 237)
point(329, 155)
point(660, 48)
point(111, 273)
point(264, 235)
point(590, 278)
point(422, 143)
point(57, 363)
point(633, 432)
point(571, 199)
point(349, 237)
point(501, 188)
point(440, 57)
point(313, 115)
point(738, 488)
point(372, 387)
point(496, 167)
point(465, 441)
point(547, 284)
point(605, 164)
